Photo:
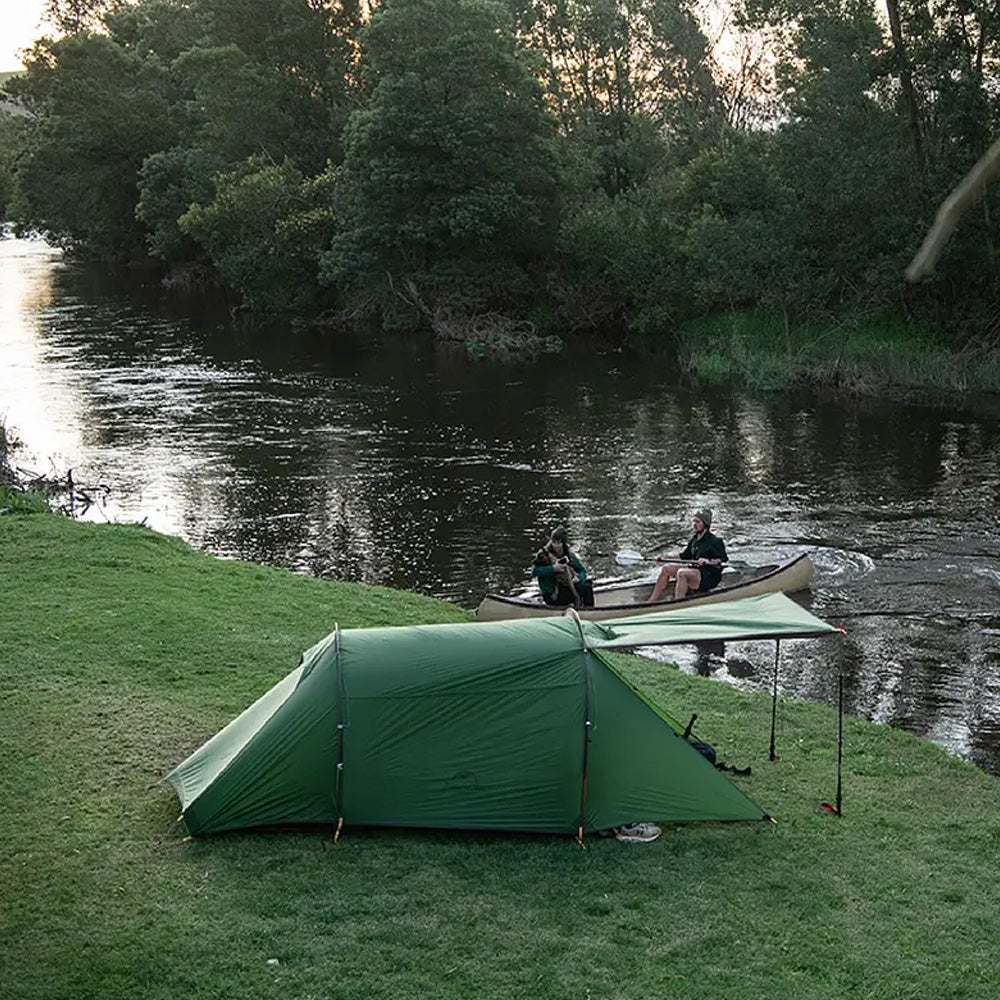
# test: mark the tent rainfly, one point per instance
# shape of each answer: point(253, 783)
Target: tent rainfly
point(509, 725)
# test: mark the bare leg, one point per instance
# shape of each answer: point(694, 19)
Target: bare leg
point(688, 578)
point(663, 581)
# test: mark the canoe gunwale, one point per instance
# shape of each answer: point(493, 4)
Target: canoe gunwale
point(534, 607)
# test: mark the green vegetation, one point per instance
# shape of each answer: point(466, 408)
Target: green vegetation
point(17, 501)
point(855, 354)
point(123, 650)
point(15, 496)
point(505, 172)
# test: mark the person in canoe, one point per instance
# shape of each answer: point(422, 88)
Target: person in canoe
point(562, 577)
point(698, 567)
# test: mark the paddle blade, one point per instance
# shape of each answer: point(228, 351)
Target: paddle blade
point(628, 557)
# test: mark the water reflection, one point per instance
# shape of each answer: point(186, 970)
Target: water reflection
point(402, 462)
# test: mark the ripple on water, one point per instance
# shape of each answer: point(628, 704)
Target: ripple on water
point(839, 566)
point(988, 573)
point(833, 566)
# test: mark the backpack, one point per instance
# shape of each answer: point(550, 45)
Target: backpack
point(708, 751)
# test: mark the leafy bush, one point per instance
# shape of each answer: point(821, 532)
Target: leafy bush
point(262, 231)
point(14, 500)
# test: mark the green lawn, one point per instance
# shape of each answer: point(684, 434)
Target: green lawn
point(121, 651)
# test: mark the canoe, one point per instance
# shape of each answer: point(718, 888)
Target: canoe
point(620, 600)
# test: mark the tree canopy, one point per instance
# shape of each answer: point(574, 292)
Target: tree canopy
point(579, 164)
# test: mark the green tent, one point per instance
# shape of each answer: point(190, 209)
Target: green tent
point(509, 725)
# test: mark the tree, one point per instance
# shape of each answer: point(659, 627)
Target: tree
point(972, 188)
point(263, 230)
point(72, 17)
point(14, 131)
point(170, 182)
point(448, 184)
point(906, 81)
point(621, 73)
point(269, 81)
point(863, 113)
point(100, 112)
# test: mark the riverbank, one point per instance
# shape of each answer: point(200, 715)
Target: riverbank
point(858, 354)
point(123, 650)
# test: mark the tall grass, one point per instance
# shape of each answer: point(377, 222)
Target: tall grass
point(122, 650)
point(861, 354)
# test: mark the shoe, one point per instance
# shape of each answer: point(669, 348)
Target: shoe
point(638, 833)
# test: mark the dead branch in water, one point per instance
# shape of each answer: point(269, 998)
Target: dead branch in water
point(482, 332)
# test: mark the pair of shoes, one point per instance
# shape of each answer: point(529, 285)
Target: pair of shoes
point(638, 833)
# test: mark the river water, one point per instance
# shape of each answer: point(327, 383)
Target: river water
point(409, 464)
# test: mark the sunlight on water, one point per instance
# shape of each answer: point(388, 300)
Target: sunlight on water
point(32, 396)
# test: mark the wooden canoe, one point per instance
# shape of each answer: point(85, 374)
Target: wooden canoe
point(621, 600)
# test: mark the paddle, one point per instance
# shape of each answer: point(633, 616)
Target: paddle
point(632, 557)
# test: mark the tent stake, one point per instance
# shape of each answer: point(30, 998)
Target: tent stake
point(840, 739)
point(837, 806)
point(774, 697)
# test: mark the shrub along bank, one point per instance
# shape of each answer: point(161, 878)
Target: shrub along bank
point(123, 650)
point(856, 354)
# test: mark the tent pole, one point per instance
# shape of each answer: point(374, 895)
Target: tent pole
point(774, 697)
point(586, 745)
point(339, 779)
point(586, 748)
point(586, 727)
point(840, 738)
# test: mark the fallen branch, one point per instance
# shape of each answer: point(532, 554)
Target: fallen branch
point(966, 194)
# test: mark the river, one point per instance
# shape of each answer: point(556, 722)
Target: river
point(406, 463)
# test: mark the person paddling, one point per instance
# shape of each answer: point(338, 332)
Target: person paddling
point(562, 578)
point(708, 551)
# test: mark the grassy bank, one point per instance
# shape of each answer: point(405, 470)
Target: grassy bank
point(122, 650)
point(864, 355)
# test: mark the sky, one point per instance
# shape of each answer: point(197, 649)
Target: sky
point(19, 27)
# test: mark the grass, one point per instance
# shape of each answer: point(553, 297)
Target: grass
point(866, 354)
point(122, 650)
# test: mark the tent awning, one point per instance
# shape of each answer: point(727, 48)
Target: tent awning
point(769, 616)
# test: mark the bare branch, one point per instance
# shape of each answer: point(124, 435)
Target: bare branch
point(966, 194)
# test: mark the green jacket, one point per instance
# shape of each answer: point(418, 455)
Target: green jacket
point(546, 572)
